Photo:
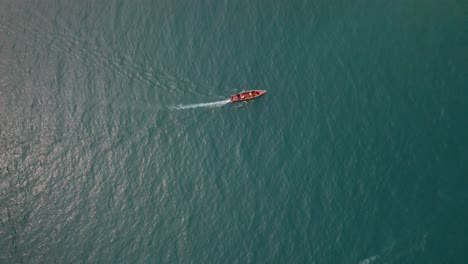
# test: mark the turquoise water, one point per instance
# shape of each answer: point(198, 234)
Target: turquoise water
point(117, 145)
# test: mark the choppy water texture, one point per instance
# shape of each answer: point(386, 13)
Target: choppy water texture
point(117, 144)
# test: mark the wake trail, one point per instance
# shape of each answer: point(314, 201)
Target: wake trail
point(368, 260)
point(191, 106)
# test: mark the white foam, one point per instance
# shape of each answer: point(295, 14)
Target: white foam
point(368, 260)
point(191, 106)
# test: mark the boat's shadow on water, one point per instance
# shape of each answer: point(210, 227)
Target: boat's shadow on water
point(240, 104)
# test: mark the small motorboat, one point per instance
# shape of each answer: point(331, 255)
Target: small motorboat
point(246, 95)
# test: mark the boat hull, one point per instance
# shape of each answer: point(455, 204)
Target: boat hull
point(246, 95)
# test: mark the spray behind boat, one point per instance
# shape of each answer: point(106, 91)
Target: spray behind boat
point(210, 104)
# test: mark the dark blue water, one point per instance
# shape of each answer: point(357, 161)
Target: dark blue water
point(117, 144)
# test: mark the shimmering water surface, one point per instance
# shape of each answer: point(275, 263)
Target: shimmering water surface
point(117, 144)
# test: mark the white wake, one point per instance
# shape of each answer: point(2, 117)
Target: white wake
point(191, 106)
point(368, 260)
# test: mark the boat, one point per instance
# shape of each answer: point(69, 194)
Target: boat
point(246, 95)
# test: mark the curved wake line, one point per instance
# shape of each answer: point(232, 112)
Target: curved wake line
point(191, 106)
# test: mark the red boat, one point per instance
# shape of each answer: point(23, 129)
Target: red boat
point(246, 95)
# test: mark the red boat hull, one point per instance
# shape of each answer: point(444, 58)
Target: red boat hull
point(246, 95)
